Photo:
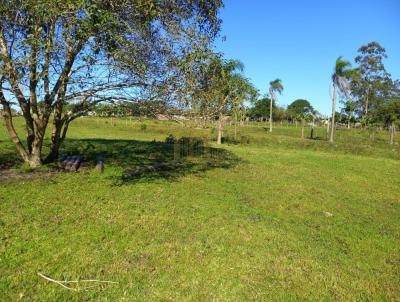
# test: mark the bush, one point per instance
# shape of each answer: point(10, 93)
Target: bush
point(170, 139)
point(143, 127)
point(244, 139)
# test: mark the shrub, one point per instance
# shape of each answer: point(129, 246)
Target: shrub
point(244, 139)
point(170, 139)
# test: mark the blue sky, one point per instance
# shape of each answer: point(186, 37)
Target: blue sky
point(299, 41)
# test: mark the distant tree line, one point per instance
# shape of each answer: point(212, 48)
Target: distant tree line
point(61, 60)
point(143, 108)
point(368, 94)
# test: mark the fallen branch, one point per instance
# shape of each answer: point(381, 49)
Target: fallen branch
point(62, 283)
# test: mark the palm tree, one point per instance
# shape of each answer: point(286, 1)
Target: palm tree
point(274, 86)
point(340, 81)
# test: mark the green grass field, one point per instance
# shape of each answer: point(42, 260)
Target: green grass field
point(278, 219)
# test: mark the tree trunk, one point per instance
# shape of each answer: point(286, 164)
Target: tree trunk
point(34, 159)
point(56, 134)
point(333, 112)
point(30, 134)
point(220, 128)
point(32, 156)
point(312, 129)
point(55, 144)
point(7, 115)
point(57, 138)
point(270, 115)
point(35, 121)
point(366, 103)
point(302, 129)
point(392, 133)
point(235, 134)
point(327, 128)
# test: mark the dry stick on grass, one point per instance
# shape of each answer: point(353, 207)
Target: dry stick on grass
point(62, 283)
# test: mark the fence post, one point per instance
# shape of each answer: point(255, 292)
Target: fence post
point(177, 150)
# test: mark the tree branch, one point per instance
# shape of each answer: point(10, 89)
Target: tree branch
point(7, 114)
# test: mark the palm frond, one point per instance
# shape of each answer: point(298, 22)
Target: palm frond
point(275, 86)
point(341, 66)
point(343, 73)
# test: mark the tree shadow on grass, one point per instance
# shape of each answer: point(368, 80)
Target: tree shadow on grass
point(134, 155)
point(9, 156)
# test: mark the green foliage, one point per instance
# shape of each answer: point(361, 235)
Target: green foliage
point(139, 108)
point(297, 107)
point(245, 139)
point(341, 118)
point(276, 86)
point(143, 127)
point(372, 87)
point(170, 139)
point(389, 113)
point(219, 87)
point(81, 53)
point(260, 109)
point(349, 109)
point(343, 73)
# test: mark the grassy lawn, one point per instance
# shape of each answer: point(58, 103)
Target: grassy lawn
point(279, 219)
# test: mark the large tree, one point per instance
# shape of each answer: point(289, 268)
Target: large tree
point(371, 87)
point(275, 86)
point(218, 87)
point(261, 108)
point(58, 52)
point(388, 113)
point(298, 106)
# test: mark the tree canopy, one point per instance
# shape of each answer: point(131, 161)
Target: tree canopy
point(297, 107)
point(372, 85)
point(85, 52)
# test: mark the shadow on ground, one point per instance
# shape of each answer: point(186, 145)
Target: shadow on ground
point(131, 155)
point(9, 156)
